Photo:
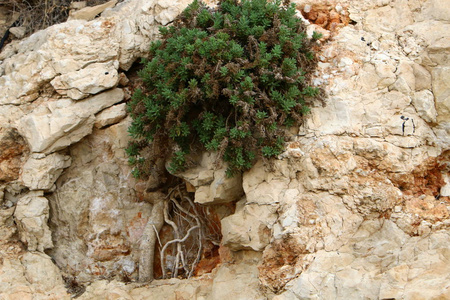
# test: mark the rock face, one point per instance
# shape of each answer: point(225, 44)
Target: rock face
point(356, 207)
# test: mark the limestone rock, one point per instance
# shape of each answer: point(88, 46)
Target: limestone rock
point(423, 78)
point(212, 186)
point(42, 173)
point(31, 215)
point(111, 115)
point(239, 281)
point(388, 19)
point(61, 123)
point(352, 275)
point(89, 13)
point(7, 226)
point(100, 227)
point(222, 189)
point(123, 35)
point(423, 101)
point(41, 272)
point(18, 32)
point(249, 227)
point(354, 208)
point(88, 81)
point(32, 276)
point(437, 10)
point(441, 91)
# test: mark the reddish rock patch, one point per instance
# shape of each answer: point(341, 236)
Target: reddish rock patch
point(428, 208)
point(326, 16)
point(12, 148)
point(280, 263)
point(426, 179)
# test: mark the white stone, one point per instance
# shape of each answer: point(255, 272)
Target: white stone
point(110, 115)
point(249, 227)
point(18, 32)
point(88, 81)
point(41, 174)
point(32, 212)
point(423, 101)
point(423, 78)
point(64, 122)
point(238, 281)
point(441, 91)
point(89, 13)
point(41, 272)
point(445, 190)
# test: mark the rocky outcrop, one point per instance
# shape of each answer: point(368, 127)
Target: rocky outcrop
point(356, 207)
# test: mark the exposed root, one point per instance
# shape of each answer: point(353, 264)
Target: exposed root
point(185, 241)
point(148, 242)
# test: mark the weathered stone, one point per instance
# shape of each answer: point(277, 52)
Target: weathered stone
point(42, 173)
point(406, 81)
point(388, 19)
point(61, 123)
point(102, 222)
point(212, 185)
point(441, 91)
point(88, 81)
point(122, 35)
point(18, 32)
point(111, 115)
point(12, 148)
point(31, 215)
point(222, 189)
point(423, 78)
point(423, 101)
point(89, 13)
point(41, 272)
point(33, 276)
point(437, 10)
point(239, 281)
point(7, 226)
point(249, 227)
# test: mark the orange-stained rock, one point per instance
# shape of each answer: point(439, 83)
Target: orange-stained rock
point(12, 148)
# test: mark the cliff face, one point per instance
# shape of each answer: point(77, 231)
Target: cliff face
point(356, 207)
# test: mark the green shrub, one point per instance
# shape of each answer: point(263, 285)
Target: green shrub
point(229, 79)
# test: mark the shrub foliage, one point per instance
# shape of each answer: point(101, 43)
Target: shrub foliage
point(230, 79)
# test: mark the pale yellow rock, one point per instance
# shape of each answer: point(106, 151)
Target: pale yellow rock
point(437, 10)
point(110, 115)
point(32, 214)
point(423, 101)
point(249, 227)
point(91, 80)
point(441, 91)
point(18, 32)
point(212, 185)
point(64, 122)
point(41, 174)
point(41, 272)
point(239, 281)
point(423, 78)
point(89, 13)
